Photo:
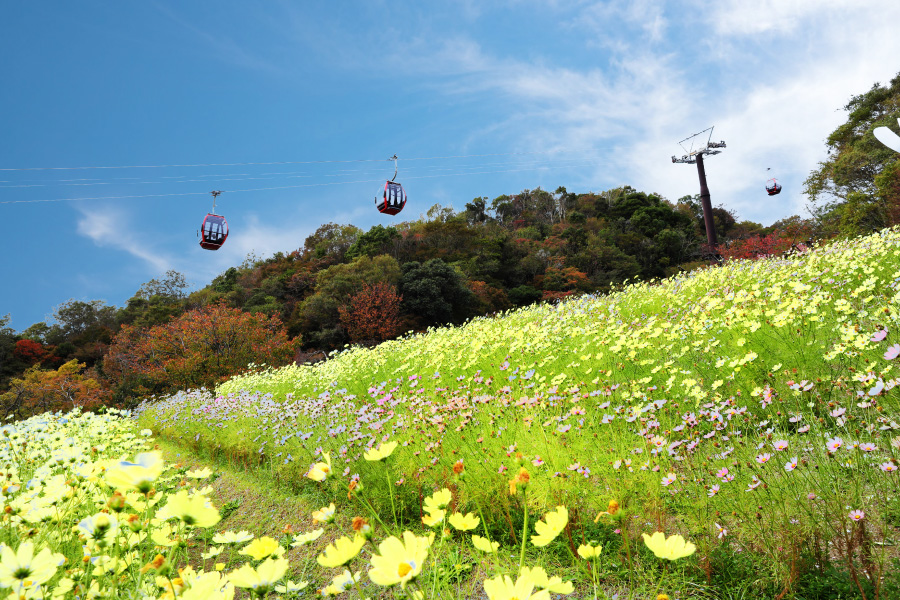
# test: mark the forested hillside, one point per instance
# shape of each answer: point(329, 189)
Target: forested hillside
point(343, 285)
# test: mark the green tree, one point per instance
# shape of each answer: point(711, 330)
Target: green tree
point(8, 363)
point(331, 241)
point(857, 188)
point(75, 319)
point(156, 301)
point(377, 240)
point(434, 292)
point(320, 313)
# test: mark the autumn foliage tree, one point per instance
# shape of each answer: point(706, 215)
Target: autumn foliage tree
point(758, 246)
point(29, 351)
point(200, 348)
point(373, 313)
point(40, 390)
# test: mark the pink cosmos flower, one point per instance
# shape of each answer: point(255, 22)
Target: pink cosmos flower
point(857, 515)
point(879, 335)
point(669, 479)
point(763, 458)
point(713, 490)
point(722, 531)
point(780, 445)
point(834, 443)
point(722, 472)
point(888, 467)
point(791, 464)
point(892, 352)
point(868, 447)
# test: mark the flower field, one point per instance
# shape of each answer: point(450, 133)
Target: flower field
point(752, 408)
point(729, 433)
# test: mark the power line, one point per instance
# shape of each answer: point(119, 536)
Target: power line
point(242, 164)
point(261, 189)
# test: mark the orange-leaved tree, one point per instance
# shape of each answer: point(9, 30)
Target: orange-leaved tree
point(373, 313)
point(41, 390)
point(200, 348)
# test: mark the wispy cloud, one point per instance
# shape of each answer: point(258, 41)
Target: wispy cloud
point(771, 76)
point(112, 228)
point(220, 44)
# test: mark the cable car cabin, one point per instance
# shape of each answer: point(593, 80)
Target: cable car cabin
point(213, 232)
point(773, 187)
point(392, 200)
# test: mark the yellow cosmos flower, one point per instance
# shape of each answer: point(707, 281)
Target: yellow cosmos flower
point(484, 544)
point(194, 510)
point(341, 551)
point(262, 579)
point(162, 535)
point(261, 548)
point(139, 475)
point(671, 548)
point(341, 583)
point(438, 500)
point(230, 537)
point(22, 569)
point(435, 517)
point(547, 530)
point(291, 587)
point(324, 514)
point(211, 553)
point(399, 562)
point(101, 528)
point(503, 588)
point(554, 585)
point(380, 453)
point(321, 470)
point(211, 586)
point(464, 522)
point(303, 539)
point(199, 473)
point(589, 552)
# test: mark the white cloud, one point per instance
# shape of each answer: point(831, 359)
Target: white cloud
point(113, 228)
point(771, 76)
point(740, 17)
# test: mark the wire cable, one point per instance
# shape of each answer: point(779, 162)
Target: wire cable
point(300, 162)
point(261, 189)
point(248, 176)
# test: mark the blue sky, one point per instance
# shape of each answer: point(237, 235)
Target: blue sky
point(526, 93)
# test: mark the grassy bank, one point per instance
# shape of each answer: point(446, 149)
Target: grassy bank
point(749, 407)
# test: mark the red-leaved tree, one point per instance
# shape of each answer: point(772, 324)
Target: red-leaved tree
point(29, 351)
point(200, 348)
point(757, 246)
point(373, 313)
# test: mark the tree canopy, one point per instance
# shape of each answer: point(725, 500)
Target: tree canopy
point(857, 188)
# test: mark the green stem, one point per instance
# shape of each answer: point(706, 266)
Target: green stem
point(524, 528)
point(387, 476)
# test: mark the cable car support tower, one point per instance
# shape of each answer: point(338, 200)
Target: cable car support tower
point(692, 156)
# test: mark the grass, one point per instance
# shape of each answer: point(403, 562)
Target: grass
point(751, 408)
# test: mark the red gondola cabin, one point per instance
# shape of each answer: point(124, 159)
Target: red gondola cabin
point(392, 200)
point(773, 187)
point(213, 232)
